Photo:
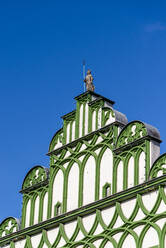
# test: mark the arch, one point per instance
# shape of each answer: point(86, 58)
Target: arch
point(36, 210)
point(35, 176)
point(27, 212)
point(150, 236)
point(105, 164)
point(73, 187)
point(158, 166)
point(89, 175)
point(8, 226)
point(129, 239)
point(57, 189)
point(120, 176)
point(130, 172)
point(45, 206)
point(142, 164)
point(56, 140)
point(136, 130)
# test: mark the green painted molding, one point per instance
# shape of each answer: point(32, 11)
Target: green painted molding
point(90, 208)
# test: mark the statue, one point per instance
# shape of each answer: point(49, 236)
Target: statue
point(89, 81)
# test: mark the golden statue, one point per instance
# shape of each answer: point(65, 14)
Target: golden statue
point(89, 81)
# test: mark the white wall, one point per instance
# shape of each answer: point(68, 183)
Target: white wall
point(94, 120)
point(106, 170)
point(150, 239)
point(36, 210)
point(28, 209)
point(73, 130)
point(57, 194)
point(131, 172)
point(86, 118)
point(89, 181)
point(120, 177)
point(80, 120)
point(73, 188)
point(141, 167)
point(45, 206)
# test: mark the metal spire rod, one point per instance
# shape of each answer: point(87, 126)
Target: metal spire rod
point(84, 73)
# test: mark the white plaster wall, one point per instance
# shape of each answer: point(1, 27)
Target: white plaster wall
point(129, 242)
point(89, 181)
point(45, 205)
point(19, 244)
point(94, 120)
point(81, 120)
point(52, 234)
point(73, 130)
point(57, 194)
point(107, 214)
point(86, 118)
point(106, 169)
point(88, 221)
point(150, 239)
point(142, 167)
point(131, 172)
point(70, 228)
point(120, 177)
point(99, 118)
point(36, 210)
point(67, 133)
point(150, 199)
point(154, 151)
point(97, 242)
point(128, 207)
point(28, 209)
point(73, 188)
point(35, 240)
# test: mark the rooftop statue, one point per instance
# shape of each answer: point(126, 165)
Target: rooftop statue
point(89, 81)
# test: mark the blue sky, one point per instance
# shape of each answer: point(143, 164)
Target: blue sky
point(42, 45)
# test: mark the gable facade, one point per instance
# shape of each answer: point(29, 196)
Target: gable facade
point(105, 186)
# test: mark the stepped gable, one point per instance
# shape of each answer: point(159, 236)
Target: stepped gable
point(105, 185)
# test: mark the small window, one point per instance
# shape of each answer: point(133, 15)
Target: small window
point(107, 190)
point(58, 209)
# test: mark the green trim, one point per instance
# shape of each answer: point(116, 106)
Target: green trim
point(105, 188)
point(96, 207)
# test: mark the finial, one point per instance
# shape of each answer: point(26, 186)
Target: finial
point(89, 81)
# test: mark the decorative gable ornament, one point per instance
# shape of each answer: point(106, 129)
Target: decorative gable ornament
point(106, 185)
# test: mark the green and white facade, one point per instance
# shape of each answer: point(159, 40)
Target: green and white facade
point(105, 188)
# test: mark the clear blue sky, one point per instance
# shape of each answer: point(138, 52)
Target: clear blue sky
point(42, 45)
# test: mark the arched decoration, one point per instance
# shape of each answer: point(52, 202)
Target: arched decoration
point(106, 168)
point(73, 187)
point(57, 190)
point(58, 209)
point(120, 177)
point(37, 176)
point(35, 210)
point(57, 140)
point(108, 116)
point(106, 190)
point(130, 172)
point(141, 167)
point(8, 226)
point(89, 175)
point(150, 236)
point(27, 212)
point(159, 167)
point(45, 206)
point(136, 130)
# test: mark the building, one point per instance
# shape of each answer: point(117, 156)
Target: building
point(106, 185)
